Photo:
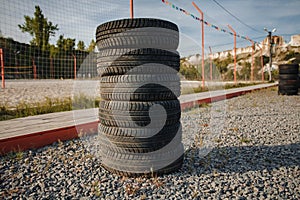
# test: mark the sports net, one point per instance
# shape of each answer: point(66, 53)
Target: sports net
point(48, 39)
point(56, 39)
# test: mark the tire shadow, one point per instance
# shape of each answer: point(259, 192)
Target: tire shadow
point(242, 159)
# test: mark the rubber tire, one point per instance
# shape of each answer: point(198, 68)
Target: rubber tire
point(288, 82)
point(132, 114)
point(173, 167)
point(134, 78)
point(136, 116)
point(288, 91)
point(288, 77)
point(137, 106)
point(134, 54)
point(289, 69)
point(136, 121)
point(150, 96)
point(138, 32)
point(133, 132)
point(137, 164)
point(147, 92)
point(141, 144)
point(122, 61)
point(287, 87)
point(139, 38)
point(153, 68)
point(136, 23)
point(131, 87)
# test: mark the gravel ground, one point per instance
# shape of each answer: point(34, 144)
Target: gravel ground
point(242, 148)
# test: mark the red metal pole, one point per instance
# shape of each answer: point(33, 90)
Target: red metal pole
point(34, 69)
point(234, 72)
point(210, 64)
point(131, 9)
point(202, 31)
point(74, 66)
point(262, 65)
point(252, 62)
point(262, 62)
point(51, 68)
point(2, 68)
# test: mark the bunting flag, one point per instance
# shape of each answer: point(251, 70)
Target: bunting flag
point(205, 22)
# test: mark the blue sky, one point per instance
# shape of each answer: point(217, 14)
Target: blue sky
point(79, 19)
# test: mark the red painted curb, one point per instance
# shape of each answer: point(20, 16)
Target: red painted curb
point(196, 103)
point(40, 139)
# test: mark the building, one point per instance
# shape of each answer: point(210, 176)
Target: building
point(295, 40)
point(277, 40)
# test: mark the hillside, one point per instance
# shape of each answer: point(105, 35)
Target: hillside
point(223, 63)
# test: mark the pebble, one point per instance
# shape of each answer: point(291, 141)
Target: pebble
point(254, 155)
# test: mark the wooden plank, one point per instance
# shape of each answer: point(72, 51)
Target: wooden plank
point(40, 123)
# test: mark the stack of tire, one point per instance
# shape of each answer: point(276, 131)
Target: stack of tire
point(139, 115)
point(288, 79)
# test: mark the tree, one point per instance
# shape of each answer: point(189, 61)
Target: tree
point(39, 28)
point(80, 45)
point(53, 50)
point(69, 44)
point(91, 46)
point(65, 44)
point(60, 43)
point(246, 71)
point(190, 73)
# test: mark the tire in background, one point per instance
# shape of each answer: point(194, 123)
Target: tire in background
point(288, 79)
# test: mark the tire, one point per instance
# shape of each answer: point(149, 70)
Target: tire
point(137, 121)
point(146, 87)
point(140, 38)
point(137, 114)
point(120, 106)
point(138, 33)
point(150, 96)
point(135, 132)
point(135, 23)
point(141, 78)
point(137, 61)
point(287, 82)
point(288, 91)
point(141, 144)
point(176, 165)
point(288, 77)
point(132, 87)
point(135, 92)
point(137, 164)
point(289, 69)
point(287, 87)
point(143, 117)
point(133, 68)
point(112, 54)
